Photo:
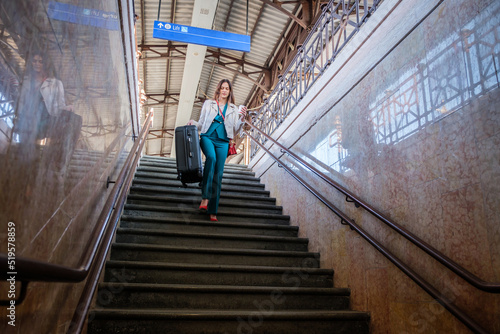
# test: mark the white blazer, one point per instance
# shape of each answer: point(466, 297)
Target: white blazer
point(52, 91)
point(232, 122)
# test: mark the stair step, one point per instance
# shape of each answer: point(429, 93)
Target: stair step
point(161, 237)
point(192, 212)
point(173, 165)
point(180, 273)
point(204, 226)
point(166, 160)
point(263, 319)
point(173, 177)
point(172, 168)
point(194, 202)
point(171, 172)
point(255, 191)
point(227, 168)
point(189, 193)
point(174, 296)
point(212, 255)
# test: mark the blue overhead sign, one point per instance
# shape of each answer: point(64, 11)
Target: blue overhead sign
point(194, 35)
point(85, 16)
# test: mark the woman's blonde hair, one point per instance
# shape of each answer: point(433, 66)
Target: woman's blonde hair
point(217, 90)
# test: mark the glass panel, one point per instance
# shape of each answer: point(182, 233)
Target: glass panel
point(65, 110)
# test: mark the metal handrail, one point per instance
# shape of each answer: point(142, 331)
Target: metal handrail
point(34, 270)
point(80, 315)
point(336, 26)
point(433, 292)
point(463, 273)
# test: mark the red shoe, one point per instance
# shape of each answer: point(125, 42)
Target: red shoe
point(213, 218)
point(203, 208)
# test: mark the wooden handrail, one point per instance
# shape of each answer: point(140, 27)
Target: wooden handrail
point(419, 280)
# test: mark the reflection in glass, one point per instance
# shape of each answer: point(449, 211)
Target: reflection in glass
point(64, 110)
point(443, 78)
point(460, 68)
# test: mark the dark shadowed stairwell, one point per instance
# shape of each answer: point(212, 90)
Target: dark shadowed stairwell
point(171, 270)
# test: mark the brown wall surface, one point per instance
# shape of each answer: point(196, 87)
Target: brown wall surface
point(53, 178)
point(418, 139)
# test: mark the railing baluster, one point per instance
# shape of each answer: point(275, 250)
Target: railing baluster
point(317, 52)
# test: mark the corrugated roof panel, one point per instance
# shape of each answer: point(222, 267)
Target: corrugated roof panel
point(204, 80)
point(176, 72)
point(165, 10)
point(153, 146)
point(243, 88)
point(156, 76)
point(184, 12)
point(171, 117)
point(267, 34)
point(150, 15)
point(158, 117)
point(238, 16)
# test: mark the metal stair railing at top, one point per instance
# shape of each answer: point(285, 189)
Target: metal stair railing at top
point(92, 261)
point(434, 253)
point(338, 23)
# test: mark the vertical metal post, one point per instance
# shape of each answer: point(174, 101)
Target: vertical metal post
point(159, 7)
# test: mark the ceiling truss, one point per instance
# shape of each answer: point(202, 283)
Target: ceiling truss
point(301, 17)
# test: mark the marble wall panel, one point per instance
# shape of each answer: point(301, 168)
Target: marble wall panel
point(65, 117)
point(418, 139)
point(377, 287)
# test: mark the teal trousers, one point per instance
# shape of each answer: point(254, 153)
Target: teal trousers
point(215, 151)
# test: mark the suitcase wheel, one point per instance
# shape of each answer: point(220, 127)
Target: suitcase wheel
point(184, 185)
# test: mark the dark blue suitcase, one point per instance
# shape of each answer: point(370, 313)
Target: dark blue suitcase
point(188, 155)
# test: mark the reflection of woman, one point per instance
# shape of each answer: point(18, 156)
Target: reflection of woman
point(219, 122)
point(43, 114)
point(42, 97)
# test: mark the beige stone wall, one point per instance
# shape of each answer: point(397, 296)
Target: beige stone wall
point(417, 138)
point(53, 186)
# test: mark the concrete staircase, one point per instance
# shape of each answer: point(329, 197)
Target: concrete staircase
point(173, 271)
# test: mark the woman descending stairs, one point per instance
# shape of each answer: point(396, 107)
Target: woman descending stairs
point(171, 270)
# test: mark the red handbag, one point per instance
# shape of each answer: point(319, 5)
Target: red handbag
point(232, 148)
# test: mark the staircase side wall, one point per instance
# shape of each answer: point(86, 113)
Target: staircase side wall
point(54, 191)
point(408, 118)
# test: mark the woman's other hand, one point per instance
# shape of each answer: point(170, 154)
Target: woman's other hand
point(191, 122)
